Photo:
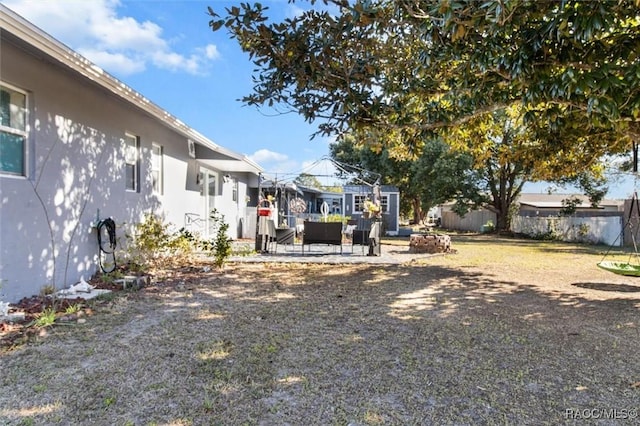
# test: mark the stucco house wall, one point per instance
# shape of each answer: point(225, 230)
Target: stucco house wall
point(75, 168)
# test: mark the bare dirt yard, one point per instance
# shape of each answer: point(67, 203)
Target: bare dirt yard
point(502, 332)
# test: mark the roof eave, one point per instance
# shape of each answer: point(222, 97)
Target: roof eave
point(34, 36)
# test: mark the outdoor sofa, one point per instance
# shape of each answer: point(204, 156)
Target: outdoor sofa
point(329, 233)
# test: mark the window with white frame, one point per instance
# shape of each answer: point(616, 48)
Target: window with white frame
point(156, 168)
point(235, 190)
point(359, 200)
point(13, 130)
point(132, 163)
point(384, 203)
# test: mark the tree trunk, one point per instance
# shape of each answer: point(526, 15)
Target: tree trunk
point(502, 221)
point(417, 210)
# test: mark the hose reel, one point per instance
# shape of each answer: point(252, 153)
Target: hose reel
point(107, 228)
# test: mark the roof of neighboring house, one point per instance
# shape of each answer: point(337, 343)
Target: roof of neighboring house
point(32, 39)
point(366, 188)
point(331, 194)
point(290, 186)
point(310, 189)
point(555, 200)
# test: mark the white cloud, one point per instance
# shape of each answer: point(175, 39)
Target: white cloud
point(114, 61)
point(118, 44)
point(266, 156)
point(127, 33)
point(211, 51)
point(277, 166)
point(170, 60)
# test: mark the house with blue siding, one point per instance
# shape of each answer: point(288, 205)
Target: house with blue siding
point(355, 197)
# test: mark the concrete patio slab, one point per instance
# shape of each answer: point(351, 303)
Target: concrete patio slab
point(328, 254)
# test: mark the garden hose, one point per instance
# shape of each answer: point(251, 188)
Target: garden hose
point(109, 248)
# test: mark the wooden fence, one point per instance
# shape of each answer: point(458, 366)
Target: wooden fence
point(472, 221)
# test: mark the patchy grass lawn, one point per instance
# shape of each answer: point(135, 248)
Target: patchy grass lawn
point(502, 332)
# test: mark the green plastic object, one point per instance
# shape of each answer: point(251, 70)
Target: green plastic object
point(620, 268)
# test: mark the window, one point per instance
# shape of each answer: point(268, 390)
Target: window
point(384, 203)
point(132, 164)
point(235, 190)
point(358, 203)
point(13, 131)
point(156, 168)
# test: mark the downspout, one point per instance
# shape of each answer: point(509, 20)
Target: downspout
point(258, 244)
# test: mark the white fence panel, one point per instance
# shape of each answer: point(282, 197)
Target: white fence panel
point(595, 230)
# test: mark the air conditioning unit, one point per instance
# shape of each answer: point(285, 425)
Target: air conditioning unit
point(192, 149)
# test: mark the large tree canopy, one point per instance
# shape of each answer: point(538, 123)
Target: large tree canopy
point(309, 180)
point(415, 67)
point(438, 175)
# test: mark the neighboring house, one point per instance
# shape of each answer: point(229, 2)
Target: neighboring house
point(314, 198)
point(553, 204)
point(287, 198)
point(356, 195)
point(334, 200)
point(348, 203)
point(77, 145)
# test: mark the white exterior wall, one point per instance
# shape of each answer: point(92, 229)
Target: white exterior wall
point(75, 168)
point(234, 211)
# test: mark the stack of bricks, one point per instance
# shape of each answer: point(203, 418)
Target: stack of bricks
point(425, 243)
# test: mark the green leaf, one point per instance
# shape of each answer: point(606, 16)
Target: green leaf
point(216, 25)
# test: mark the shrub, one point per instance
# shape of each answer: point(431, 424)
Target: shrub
point(152, 243)
point(338, 218)
point(221, 245)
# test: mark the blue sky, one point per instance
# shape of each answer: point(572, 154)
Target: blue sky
point(165, 50)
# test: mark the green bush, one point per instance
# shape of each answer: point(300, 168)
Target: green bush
point(221, 245)
point(488, 227)
point(152, 243)
point(337, 218)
